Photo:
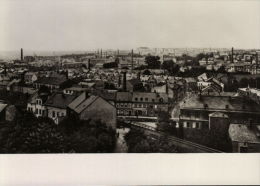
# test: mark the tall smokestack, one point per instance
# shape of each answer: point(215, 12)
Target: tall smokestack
point(132, 59)
point(88, 64)
point(232, 54)
point(124, 81)
point(119, 81)
point(256, 60)
point(101, 53)
point(118, 52)
point(21, 54)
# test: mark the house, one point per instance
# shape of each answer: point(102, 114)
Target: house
point(56, 106)
point(30, 77)
point(209, 84)
point(198, 109)
point(245, 138)
point(51, 82)
point(93, 107)
point(36, 104)
point(2, 111)
point(146, 104)
point(250, 93)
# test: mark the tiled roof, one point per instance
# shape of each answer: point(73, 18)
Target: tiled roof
point(220, 103)
point(87, 102)
point(77, 101)
point(124, 96)
point(2, 106)
point(50, 80)
point(60, 100)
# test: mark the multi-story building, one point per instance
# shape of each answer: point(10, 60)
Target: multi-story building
point(141, 103)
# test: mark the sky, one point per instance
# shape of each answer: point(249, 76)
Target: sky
point(62, 25)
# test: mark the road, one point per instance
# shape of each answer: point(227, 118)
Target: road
point(121, 146)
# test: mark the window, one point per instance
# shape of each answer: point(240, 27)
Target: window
point(136, 99)
point(53, 114)
point(188, 125)
point(152, 100)
point(40, 111)
point(141, 99)
point(146, 99)
point(36, 111)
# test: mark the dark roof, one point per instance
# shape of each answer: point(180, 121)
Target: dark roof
point(60, 100)
point(134, 81)
point(51, 80)
point(220, 103)
point(124, 96)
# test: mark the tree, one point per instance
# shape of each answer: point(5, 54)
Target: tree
point(138, 142)
point(110, 65)
point(146, 72)
point(171, 67)
point(165, 124)
point(153, 62)
point(28, 134)
point(243, 83)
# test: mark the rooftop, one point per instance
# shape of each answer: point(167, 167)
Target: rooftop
point(242, 133)
point(60, 100)
point(220, 103)
point(50, 80)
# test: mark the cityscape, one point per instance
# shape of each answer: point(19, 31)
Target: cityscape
point(143, 100)
point(129, 77)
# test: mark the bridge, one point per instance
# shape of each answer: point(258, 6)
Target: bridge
point(184, 145)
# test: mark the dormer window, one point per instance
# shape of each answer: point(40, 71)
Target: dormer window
point(38, 101)
point(227, 106)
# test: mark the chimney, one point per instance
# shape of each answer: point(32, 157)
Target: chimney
point(167, 88)
point(139, 75)
point(124, 81)
point(119, 80)
point(21, 54)
point(250, 123)
point(232, 54)
point(132, 59)
point(88, 64)
point(256, 59)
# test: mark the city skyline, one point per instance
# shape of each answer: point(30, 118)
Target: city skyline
point(89, 25)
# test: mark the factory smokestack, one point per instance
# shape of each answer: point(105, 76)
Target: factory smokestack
point(132, 59)
point(21, 54)
point(124, 81)
point(232, 54)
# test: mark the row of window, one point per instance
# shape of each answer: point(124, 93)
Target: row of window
point(129, 112)
point(41, 112)
point(194, 125)
point(142, 99)
point(58, 114)
point(128, 105)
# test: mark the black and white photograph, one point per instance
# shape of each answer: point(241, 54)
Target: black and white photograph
point(109, 77)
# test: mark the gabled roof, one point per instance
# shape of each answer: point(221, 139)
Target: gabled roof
point(86, 103)
point(124, 96)
point(60, 100)
point(2, 106)
point(50, 80)
point(77, 101)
